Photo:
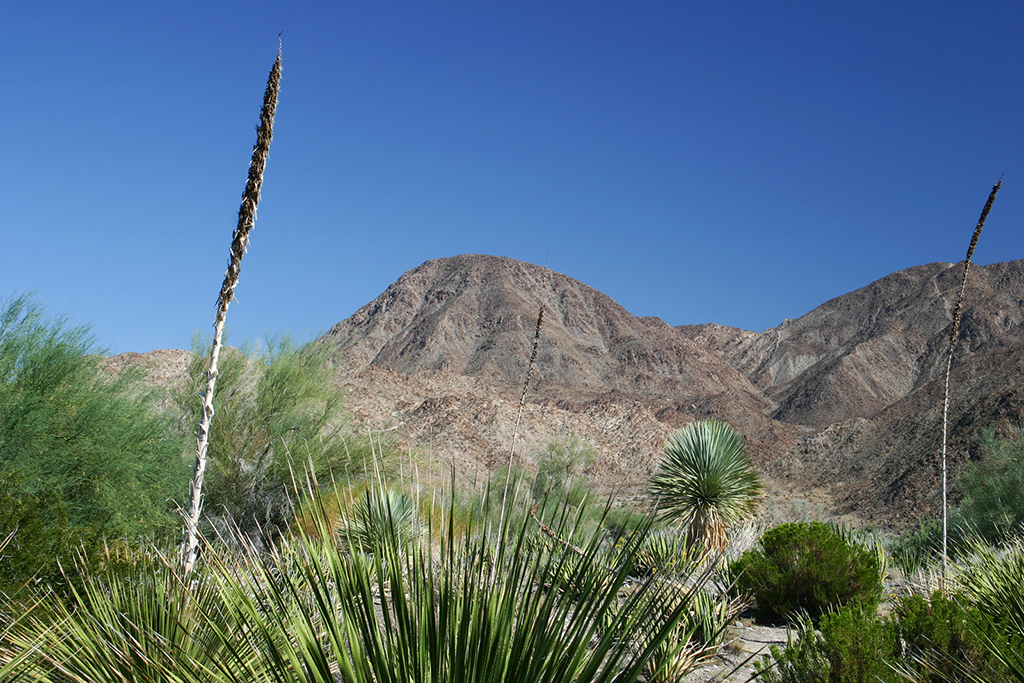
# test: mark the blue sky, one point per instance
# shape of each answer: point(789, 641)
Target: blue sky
point(730, 162)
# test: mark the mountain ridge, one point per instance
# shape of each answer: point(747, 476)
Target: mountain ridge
point(822, 397)
point(841, 406)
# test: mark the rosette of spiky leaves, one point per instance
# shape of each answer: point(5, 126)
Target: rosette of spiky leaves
point(705, 481)
point(696, 637)
point(137, 620)
point(380, 517)
point(484, 605)
point(991, 579)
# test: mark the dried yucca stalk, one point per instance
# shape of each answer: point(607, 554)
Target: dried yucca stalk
point(526, 389)
point(239, 243)
point(953, 334)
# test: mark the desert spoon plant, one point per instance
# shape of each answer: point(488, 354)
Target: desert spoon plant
point(239, 243)
point(954, 332)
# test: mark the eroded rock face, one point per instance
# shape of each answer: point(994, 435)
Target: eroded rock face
point(475, 316)
point(842, 407)
point(842, 400)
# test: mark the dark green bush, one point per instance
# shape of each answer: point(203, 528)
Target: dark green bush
point(945, 639)
point(807, 568)
point(927, 641)
point(854, 646)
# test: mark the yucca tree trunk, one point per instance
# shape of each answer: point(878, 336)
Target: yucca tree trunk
point(954, 332)
point(239, 243)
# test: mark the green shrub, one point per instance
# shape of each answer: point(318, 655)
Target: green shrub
point(926, 641)
point(279, 417)
point(559, 467)
point(84, 456)
point(808, 568)
point(854, 646)
point(946, 640)
point(993, 487)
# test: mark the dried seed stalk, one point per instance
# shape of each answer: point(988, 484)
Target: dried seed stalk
point(526, 389)
point(239, 244)
point(953, 334)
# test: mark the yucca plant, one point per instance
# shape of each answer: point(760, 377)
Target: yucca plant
point(487, 605)
point(381, 516)
point(142, 621)
point(697, 635)
point(992, 579)
point(705, 481)
point(239, 244)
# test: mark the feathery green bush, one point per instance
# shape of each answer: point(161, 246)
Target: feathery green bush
point(84, 456)
point(280, 419)
point(993, 487)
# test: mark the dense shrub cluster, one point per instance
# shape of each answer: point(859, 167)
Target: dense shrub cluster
point(84, 457)
point(279, 421)
point(807, 568)
point(993, 488)
point(925, 640)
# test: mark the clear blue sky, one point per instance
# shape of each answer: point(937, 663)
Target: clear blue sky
point(730, 162)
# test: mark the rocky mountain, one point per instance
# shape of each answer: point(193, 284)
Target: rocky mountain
point(474, 317)
point(842, 406)
point(866, 371)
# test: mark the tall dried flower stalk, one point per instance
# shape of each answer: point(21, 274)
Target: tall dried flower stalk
point(954, 333)
point(522, 398)
point(239, 244)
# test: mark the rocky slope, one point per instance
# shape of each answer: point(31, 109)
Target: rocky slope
point(866, 372)
point(464, 327)
point(842, 407)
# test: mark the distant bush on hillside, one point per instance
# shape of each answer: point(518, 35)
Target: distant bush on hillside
point(993, 487)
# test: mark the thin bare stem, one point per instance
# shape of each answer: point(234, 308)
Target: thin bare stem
point(239, 244)
point(954, 333)
point(522, 399)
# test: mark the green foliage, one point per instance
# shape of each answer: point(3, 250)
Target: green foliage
point(993, 487)
point(278, 418)
point(486, 605)
point(853, 646)
point(705, 481)
point(559, 467)
point(83, 455)
point(925, 640)
point(945, 640)
point(919, 547)
point(991, 579)
point(379, 517)
point(695, 638)
point(137, 620)
point(807, 568)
